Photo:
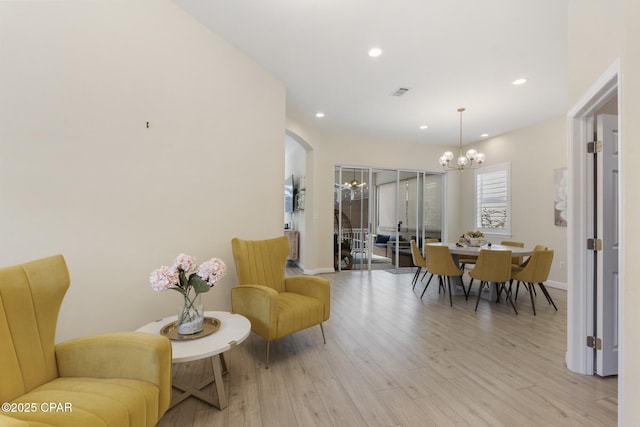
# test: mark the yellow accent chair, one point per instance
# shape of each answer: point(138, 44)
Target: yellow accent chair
point(493, 266)
point(535, 271)
point(276, 305)
point(118, 379)
point(440, 263)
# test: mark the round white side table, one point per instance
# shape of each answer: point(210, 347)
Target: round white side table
point(234, 329)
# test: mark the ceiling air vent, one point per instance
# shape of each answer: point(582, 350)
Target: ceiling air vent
point(400, 91)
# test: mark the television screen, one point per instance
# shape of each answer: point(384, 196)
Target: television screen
point(288, 194)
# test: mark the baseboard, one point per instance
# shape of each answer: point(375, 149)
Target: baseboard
point(556, 285)
point(317, 271)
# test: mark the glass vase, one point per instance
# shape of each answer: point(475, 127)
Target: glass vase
point(191, 315)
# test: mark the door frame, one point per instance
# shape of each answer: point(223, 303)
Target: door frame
point(580, 303)
point(373, 200)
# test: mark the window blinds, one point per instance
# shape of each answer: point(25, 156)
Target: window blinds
point(492, 199)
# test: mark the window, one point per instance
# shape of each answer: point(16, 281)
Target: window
point(387, 207)
point(493, 199)
point(433, 203)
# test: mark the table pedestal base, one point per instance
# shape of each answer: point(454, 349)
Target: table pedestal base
point(220, 401)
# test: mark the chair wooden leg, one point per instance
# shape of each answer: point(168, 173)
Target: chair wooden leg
point(266, 355)
point(510, 300)
point(499, 289)
point(479, 293)
point(533, 303)
point(324, 340)
point(415, 277)
point(425, 288)
point(546, 294)
point(464, 290)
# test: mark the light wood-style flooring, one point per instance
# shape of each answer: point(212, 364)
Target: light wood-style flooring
point(393, 359)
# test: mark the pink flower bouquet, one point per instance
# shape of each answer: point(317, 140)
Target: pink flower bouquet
point(186, 277)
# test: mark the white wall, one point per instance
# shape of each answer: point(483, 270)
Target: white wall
point(630, 415)
point(599, 33)
point(534, 153)
point(331, 150)
point(82, 175)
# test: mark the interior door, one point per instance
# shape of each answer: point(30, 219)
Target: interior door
point(607, 205)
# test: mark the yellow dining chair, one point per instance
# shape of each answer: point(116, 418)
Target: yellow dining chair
point(441, 264)
point(276, 305)
point(536, 271)
point(517, 268)
point(418, 260)
point(516, 260)
point(493, 266)
point(465, 260)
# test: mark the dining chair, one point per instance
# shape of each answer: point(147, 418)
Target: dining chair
point(418, 260)
point(464, 260)
point(440, 263)
point(520, 267)
point(493, 266)
point(516, 260)
point(536, 271)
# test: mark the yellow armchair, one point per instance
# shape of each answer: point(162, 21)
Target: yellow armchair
point(276, 305)
point(119, 379)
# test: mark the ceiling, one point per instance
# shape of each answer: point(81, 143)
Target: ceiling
point(449, 53)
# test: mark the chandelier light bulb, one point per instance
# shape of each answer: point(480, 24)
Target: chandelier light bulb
point(463, 161)
point(448, 155)
point(443, 160)
point(480, 158)
point(472, 154)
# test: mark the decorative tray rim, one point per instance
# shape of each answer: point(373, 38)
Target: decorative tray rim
point(210, 325)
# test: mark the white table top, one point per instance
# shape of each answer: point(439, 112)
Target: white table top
point(234, 329)
point(475, 250)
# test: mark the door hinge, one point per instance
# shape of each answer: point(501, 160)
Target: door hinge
point(594, 147)
point(594, 342)
point(594, 244)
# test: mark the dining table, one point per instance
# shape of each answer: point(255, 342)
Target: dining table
point(464, 249)
point(457, 249)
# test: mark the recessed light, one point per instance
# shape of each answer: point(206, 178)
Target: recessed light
point(484, 135)
point(375, 52)
point(319, 115)
point(520, 81)
point(424, 127)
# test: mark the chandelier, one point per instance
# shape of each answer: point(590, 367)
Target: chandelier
point(355, 183)
point(465, 161)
